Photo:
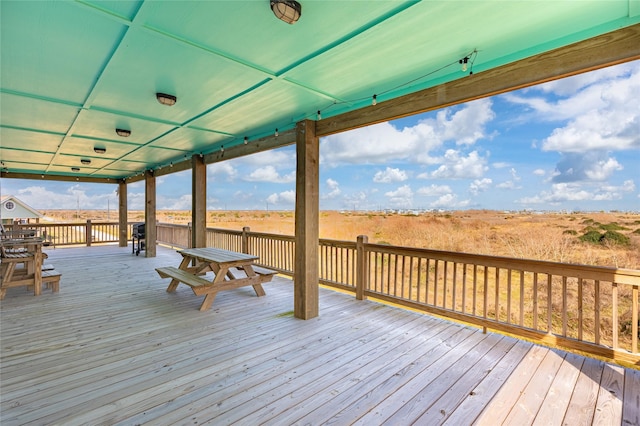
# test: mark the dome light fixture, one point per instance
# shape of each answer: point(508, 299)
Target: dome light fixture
point(123, 132)
point(166, 99)
point(85, 161)
point(288, 11)
point(99, 150)
point(75, 169)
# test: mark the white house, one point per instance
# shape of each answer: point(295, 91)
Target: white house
point(13, 210)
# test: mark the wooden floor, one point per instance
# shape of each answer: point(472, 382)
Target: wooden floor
point(114, 348)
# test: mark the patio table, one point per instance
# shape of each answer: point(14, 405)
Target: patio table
point(230, 269)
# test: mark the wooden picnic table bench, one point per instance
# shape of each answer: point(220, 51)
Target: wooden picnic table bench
point(231, 270)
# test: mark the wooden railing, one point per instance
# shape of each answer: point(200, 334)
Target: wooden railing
point(62, 234)
point(580, 307)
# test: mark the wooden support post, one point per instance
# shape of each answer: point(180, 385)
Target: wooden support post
point(362, 267)
point(122, 214)
point(88, 233)
point(245, 239)
point(306, 302)
point(198, 201)
point(150, 231)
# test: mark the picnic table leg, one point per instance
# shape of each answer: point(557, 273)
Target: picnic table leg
point(256, 287)
point(208, 301)
point(173, 285)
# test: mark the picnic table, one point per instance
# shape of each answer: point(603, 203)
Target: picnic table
point(230, 269)
point(21, 264)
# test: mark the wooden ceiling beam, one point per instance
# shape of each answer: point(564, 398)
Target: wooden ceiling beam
point(613, 48)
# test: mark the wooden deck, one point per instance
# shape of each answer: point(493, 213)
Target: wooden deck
point(113, 347)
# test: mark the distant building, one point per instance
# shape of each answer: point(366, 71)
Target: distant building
point(14, 210)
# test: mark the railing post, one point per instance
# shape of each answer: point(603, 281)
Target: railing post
point(361, 267)
point(88, 233)
point(245, 239)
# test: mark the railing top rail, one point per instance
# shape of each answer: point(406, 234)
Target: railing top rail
point(603, 273)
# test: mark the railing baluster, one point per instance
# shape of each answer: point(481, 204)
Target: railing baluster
point(475, 287)
point(464, 288)
point(535, 300)
point(485, 299)
point(436, 281)
point(596, 325)
point(614, 314)
point(509, 296)
point(455, 278)
point(564, 306)
point(580, 304)
point(445, 282)
point(497, 295)
point(521, 298)
point(549, 306)
point(634, 319)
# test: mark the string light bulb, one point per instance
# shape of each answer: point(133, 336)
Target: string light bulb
point(374, 101)
point(246, 140)
point(276, 133)
point(319, 115)
point(464, 62)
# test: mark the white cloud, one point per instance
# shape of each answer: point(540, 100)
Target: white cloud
point(180, 203)
point(480, 185)
point(449, 201)
point(539, 172)
point(287, 198)
point(384, 143)
point(270, 174)
point(434, 190)
point(500, 165)
point(390, 175)
point(590, 166)
point(75, 196)
point(576, 191)
point(334, 189)
point(223, 169)
point(458, 167)
point(401, 198)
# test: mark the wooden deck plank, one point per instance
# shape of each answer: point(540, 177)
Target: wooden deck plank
point(327, 382)
point(469, 409)
point(449, 401)
point(583, 400)
point(554, 406)
point(530, 401)
point(377, 406)
point(115, 348)
point(609, 405)
point(500, 406)
point(273, 364)
point(631, 407)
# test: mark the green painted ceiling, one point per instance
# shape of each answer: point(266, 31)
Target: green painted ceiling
point(72, 72)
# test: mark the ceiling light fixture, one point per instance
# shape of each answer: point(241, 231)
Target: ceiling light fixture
point(123, 132)
point(85, 161)
point(166, 99)
point(75, 169)
point(99, 150)
point(288, 11)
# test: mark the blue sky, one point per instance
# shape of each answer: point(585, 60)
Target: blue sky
point(571, 144)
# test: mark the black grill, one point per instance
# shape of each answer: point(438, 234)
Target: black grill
point(137, 234)
point(138, 230)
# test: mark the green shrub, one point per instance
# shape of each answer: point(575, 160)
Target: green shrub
point(613, 227)
point(591, 236)
point(615, 238)
point(570, 232)
point(637, 231)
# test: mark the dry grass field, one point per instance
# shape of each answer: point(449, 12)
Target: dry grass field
point(551, 236)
